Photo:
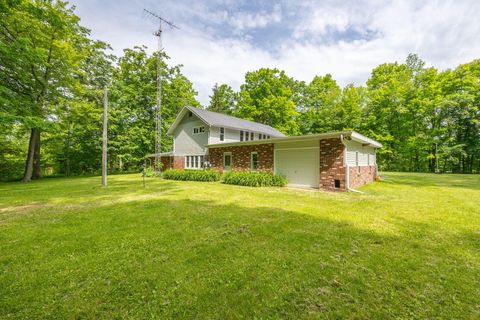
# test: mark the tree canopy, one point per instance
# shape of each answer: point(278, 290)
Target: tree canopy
point(52, 76)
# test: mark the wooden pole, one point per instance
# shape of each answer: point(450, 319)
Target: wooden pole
point(105, 137)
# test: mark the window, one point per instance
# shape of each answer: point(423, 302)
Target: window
point(198, 130)
point(253, 161)
point(241, 135)
point(193, 162)
point(227, 161)
point(190, 114)
point(251, 135)
point(259, 136)
point(246, 135)
point(222, 134)
point(268, 137)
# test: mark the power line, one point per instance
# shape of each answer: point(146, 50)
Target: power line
point(158, 110)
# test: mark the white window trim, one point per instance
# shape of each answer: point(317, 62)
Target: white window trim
point(194, 162)
point(222, 135)
point(199, 130)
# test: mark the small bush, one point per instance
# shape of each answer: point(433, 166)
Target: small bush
point(254, 179)
point(150, 172)
point(191, 175)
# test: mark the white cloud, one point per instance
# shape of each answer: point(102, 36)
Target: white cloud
point(244, 20)
point(444, 33)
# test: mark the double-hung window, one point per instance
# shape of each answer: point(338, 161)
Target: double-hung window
point(246, 135)
point(251, 135)
point(222, 134)
point(241, 135)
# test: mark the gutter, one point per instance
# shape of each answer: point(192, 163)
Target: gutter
point(347, 168)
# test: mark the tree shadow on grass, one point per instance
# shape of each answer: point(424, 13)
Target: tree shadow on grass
point(199, 259)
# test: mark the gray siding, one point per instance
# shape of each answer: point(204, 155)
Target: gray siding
point(231, 135)
point(187, 143)
point(366, 155)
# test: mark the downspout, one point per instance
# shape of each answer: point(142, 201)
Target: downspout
point(347, 168)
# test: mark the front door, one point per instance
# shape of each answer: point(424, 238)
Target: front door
point(227, 161)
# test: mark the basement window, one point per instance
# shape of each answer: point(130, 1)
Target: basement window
point(337, 184)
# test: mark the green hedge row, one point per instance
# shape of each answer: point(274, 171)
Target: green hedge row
point(254, 179)
point(249, 179)
point(192, 175)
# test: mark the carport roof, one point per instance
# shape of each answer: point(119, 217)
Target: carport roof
point(348, 135)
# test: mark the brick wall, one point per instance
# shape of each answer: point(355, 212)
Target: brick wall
point(178, 162)
point(241, 157)
point(359, 176)
point(331, 164)
point(171, 162)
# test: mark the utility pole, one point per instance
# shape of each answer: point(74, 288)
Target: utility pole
point(105, 137)
point(158, 110)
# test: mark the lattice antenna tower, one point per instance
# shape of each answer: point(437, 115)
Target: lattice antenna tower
point(158, 109)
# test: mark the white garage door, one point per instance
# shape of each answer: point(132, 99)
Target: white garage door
point(300, 166)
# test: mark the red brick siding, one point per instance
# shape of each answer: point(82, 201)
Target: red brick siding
point(171, 162)
point(241, 157)
point(359, 176)
point(331, 164)
point(178, 162)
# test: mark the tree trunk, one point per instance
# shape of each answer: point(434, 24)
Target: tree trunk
point(37, 171)
point(27, 176)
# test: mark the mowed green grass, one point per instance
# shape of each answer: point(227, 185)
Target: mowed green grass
point(407, 248)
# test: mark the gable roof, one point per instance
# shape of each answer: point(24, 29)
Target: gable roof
point(222, 120)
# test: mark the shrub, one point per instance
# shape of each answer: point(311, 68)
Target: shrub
point(254, 179)
point(150, 172)
point(191, 175)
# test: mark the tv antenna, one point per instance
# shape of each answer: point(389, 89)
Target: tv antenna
point(158, 110)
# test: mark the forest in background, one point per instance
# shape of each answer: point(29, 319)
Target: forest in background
point(52, 76)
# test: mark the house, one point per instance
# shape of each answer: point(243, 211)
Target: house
point(331, 161)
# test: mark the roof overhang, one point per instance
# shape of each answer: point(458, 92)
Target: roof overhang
point(180, 116)
point(163, 154)
point(187, 109)
point(351, 135)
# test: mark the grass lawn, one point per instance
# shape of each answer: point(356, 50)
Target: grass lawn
point(407, 248)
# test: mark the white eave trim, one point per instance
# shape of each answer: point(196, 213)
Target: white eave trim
point(354, 136)
point(362, 139)
point(179, 118)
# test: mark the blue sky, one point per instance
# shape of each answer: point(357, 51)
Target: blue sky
point(219, 41)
